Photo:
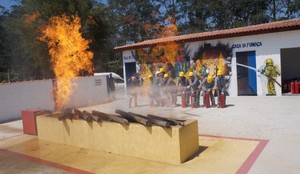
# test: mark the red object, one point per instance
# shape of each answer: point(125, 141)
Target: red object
point(183, 100)
point(207, 102)
point(29, 121)
point(297, 85)
point(222, 101)
point(292, 87)
point(192, 100)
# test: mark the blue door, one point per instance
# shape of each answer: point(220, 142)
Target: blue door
point(251, 72)
point(130, 69)
point(246, 73)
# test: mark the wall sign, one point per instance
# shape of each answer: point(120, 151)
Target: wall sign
point(246, 45)
point(128, 58)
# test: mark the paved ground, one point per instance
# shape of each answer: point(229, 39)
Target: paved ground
point(27, 154)
point(270, 118)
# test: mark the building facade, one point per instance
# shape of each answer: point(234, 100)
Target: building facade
point(256, 60)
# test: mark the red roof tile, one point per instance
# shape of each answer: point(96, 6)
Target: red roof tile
point(292, 24)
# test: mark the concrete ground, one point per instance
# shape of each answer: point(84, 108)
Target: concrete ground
point(273, 120)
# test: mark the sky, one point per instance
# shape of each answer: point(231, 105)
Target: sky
point(7, 3)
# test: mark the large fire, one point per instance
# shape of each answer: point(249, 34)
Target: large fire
point(151, 60)
point(69, 53)
point(171, 49)
point(161, 54)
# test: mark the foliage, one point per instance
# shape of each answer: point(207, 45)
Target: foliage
point(113, 23)
point(28, 56)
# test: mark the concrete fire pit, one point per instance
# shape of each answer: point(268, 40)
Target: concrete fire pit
point(172, 145)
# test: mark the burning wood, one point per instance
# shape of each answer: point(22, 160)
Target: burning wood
point(122, 118)
point(94, 117)
point(171, 121)
point(111, 117)
point(67, 114)
point(133, 117)
point(154, 121)
point(83, 116)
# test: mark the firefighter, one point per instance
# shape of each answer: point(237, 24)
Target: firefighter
point(161, 84)
point(111, 86)
point(171, 90)
point(155, 88)
point(271, 72)
point(151, 91)
point(161, 76)
point(207, 86)
point(219, 87)
point(182, 84)
point(163, 91)
point(133, 84)
point(192, 87)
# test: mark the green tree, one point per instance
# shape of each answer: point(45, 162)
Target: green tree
point(248, 12)
point(23, 27)
point(131, 18)
point(119, 22)
point(293, 9)
point(195, 16)
point(283, 9)
point(101, 30)
point(3, 66)
point(130, 21)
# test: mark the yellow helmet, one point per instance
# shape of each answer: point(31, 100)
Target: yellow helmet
point(191, 74)
point(150, 76)
point(161, 70)
point(166, 75)
point(181, 74)
point(269, 61)
point(209, 79)
point(219, 73)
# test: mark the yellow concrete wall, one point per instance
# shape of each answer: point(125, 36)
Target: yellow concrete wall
point(171, 145)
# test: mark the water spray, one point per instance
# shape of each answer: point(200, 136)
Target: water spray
point(257, 70)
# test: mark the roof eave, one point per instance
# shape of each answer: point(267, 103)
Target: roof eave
point(209, 37)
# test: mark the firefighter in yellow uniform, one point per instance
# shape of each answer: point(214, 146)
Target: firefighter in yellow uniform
point(271, 71)
point(206, 86)
point(193, 84)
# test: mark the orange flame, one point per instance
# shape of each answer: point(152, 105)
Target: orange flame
point(171, 49)
point(161, 53)
point(69, 54)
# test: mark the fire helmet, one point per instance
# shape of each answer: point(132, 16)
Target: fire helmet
point(191, 74)
point(181, 74)
point(150, 76)
point(269, 61)
point(166, 75)
point(209, 79)
point(161, 70)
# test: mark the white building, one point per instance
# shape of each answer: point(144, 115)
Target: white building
point(240, 53)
